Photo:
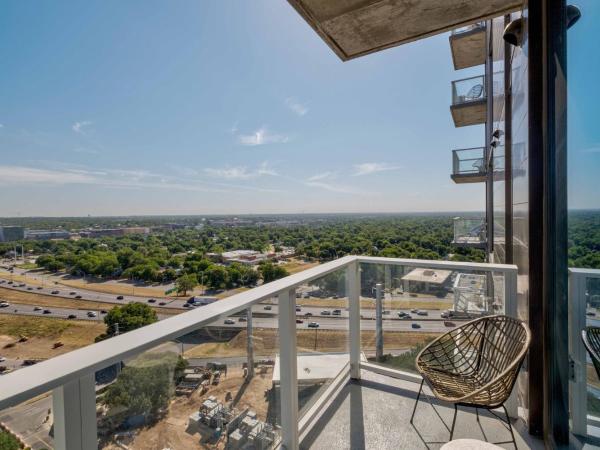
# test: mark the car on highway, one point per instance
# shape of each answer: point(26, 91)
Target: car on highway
point(308, 314)
point(120, 297)
point(92, 314)
point(22, 285)
point(30, 288)
point(47, 311)
point(337, 312)
point(72, 293)
point(313, 324)
point(242, 319)
point(4, 304)
point(306, 295)
point(229, 322)
point(78, 296)
point(299, 321)
point(422, 313)
point(414, 311)
point(39, 288)
point(268, 308)
point(55, 292)
point(10, 282)
point(161, 303)
point(298, 309)
point(386, 312)
point(188, 305)
point(37, 308)
point(151, 300)
point(103, 311)
point(416, 326)
point(590, 313)
point(402, 314)
point(325, 313)
point(71, 316)
point(449, 324)
point(2, 359)
point(445, 314)
point(2, 281)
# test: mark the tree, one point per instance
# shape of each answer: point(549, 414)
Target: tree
point(216, 277)
point(271, 272)
point(129, 317)
point(186, 283)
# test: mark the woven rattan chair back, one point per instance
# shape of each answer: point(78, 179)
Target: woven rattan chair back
point(591, 340)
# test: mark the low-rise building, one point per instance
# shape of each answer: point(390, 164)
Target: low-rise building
point(11, 233)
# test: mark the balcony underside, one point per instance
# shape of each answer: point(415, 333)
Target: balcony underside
point(375, 414)
point(470, 113)
point(468, 48)
point(469, 241)
point(353, 28)
point(463, 178)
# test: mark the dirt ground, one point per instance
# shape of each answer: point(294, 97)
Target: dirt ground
point(42, 334)
point(174, 431)
point(266, 342)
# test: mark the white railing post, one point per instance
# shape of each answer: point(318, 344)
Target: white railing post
point(378, 322)
point(577, 354)
point(288, 372)
point(249, 343)
point(353, 290)
point(510, 309)
point(74, 411)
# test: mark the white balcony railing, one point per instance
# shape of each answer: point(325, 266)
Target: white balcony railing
point(71, 377)
point(584, 310)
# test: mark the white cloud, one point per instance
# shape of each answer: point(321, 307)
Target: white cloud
point(80, 127)
point(262, 136)
point(241, 172)
point(372, 167)
point(295, 106)
point(327, 181)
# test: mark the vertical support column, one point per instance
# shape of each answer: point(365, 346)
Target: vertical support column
point(510, 309)
point(74, 411)
point(249, 343)
point(378, 322)
point(577, 355)
point(353, 290)
point(288, 370)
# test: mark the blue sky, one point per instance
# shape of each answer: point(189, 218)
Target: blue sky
point(149, 107)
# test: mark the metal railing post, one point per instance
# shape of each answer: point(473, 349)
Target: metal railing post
point(510, 309)
point(249, 343)
point(288, 374)
point(577, 353)
point(74, 411)
point(353, 290)
point(378, 322)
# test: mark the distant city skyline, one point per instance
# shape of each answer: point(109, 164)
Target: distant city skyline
point(118, 108)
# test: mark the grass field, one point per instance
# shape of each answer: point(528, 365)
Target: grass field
point(42, 334)
point(266, 342)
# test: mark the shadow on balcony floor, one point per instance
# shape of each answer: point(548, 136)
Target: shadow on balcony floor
point(375, 412)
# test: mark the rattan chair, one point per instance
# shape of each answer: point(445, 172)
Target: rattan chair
point(475, 364)
point(591, 340)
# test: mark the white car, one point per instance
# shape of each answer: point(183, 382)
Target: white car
point(91, 314)
point(229, 321)
point(37, 308)
point(2, 359)
point(4, 304)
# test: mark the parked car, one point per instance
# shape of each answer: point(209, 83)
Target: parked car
point(325, 313)
point(415, 326)
point(55, 292)
point(120, 297)
point(91, 314)
point(71, 316)
point(268, 308)
point(229, 322)
point(47, 311)
point(313, 325)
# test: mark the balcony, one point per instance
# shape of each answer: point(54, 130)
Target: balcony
point(468, 165)
point(254, 369)
point(469, 232)
point(469, 101)
point(468, 46)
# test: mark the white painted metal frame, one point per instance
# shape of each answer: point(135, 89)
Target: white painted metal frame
point(71, 376)
point(577, 353)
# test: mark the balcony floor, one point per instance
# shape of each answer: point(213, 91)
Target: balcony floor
point(374, 413)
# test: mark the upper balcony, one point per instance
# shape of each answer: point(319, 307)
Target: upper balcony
point(468, 165)
point(468, 45)
point(469, 232)
point(469, 101)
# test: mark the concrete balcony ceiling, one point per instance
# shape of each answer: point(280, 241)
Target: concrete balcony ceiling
point(354, 28)
point(468, 48)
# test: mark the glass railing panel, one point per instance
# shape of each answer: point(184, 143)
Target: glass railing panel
point(211, 388)
point(322, 335)
point(469, 230)
point(28, 424)
point(468, 28)
point(468, 90)
point(468, 161)
point(417, 305)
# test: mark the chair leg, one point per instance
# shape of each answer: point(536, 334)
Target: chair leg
point(453, 422)
point(417, 401)
point(512, 435)
point(477, 413)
